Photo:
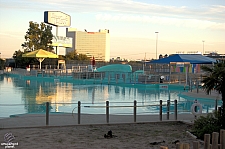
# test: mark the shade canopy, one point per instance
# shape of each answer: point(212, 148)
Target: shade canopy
point(40, 55)
point(191, 58)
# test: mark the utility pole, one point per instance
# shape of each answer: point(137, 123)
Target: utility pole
point(203, 46)
point(156, 43)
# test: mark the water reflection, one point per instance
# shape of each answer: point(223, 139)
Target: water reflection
point(1, 77)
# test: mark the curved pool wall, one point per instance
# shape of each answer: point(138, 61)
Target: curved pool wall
point(24, 97)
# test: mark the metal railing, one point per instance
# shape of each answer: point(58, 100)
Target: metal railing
point(135, 107)
point(190, 80)
point(167, 109)
point(108, 107)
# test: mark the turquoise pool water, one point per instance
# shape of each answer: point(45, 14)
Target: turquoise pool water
point(19, 96)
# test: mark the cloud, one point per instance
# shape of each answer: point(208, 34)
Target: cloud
point(217, 9)
point(121, 6)
point(207, 16)
point(179, 22)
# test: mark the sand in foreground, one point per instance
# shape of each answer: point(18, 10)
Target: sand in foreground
point(130, 136)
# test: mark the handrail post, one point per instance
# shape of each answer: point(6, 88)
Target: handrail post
point(78, 112)
point(135, 110)
point(222, 137)
point(216, 104)
point(168, 109)
point(219, 111)
point(107, 111)
point(160, 110)
point(175, 109)
point(47, 113)
point(197, 86)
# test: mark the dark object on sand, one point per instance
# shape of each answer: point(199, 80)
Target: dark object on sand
point(109, 135)
point(157, 143)
point(175, 142)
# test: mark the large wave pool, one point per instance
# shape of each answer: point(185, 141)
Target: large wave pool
point(20, 96)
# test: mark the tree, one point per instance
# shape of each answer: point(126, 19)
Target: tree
point(38, 36)
point(2, 63)
point(215, 80)
point(160, 56)
point(74, 56)
point(82, 57)
point(20, 61)
point(165, 55)
point(71, 55)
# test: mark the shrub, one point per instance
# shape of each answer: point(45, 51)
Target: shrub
point(207, 125)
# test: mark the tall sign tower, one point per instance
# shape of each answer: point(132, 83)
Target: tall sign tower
point(59, 19)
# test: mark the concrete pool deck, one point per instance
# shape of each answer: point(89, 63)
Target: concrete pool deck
point(202, 94)
point(39, 120)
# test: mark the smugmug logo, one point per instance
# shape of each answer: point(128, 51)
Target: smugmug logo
point(8, 138)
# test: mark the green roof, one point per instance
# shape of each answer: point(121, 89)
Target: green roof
point(115, 67)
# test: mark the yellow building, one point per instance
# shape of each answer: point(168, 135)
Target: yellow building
point(95, 44)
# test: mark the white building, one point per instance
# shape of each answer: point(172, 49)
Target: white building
point(95, 44)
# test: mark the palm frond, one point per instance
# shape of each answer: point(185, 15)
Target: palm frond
point(207, 69)
point(215, 77)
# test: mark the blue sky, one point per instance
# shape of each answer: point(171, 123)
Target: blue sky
point(182, 24)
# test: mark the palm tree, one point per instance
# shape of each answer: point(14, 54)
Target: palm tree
point(215, 80)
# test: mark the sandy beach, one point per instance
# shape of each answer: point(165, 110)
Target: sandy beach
point(134, 135)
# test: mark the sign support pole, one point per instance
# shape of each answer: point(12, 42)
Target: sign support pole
point(56, 36)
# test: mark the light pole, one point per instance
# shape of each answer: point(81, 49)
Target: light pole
point(156, 42)
point(203, 46)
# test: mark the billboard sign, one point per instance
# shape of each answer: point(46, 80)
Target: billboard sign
point(57, 18)
point(60, 41)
